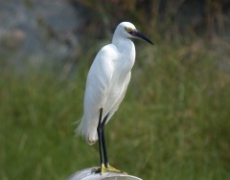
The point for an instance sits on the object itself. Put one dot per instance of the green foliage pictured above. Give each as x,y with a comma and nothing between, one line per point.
163,18
173,124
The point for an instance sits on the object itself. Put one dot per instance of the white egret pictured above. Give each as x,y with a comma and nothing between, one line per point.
106,85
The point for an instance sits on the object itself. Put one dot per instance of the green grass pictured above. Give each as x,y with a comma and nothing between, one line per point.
173,124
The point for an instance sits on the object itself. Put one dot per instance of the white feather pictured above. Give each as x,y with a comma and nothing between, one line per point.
107,81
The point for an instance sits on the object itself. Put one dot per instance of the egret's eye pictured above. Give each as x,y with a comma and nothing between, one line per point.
129,30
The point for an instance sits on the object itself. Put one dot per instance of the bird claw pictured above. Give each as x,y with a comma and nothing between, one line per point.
104,169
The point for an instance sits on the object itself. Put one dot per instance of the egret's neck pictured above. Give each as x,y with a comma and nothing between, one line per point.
124,45
127,52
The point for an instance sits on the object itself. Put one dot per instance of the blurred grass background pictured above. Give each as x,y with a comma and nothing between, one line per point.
173,124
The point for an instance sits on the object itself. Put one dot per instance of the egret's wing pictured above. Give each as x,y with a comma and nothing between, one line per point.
99,78
97,86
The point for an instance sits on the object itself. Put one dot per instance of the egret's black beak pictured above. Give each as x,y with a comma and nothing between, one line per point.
141,36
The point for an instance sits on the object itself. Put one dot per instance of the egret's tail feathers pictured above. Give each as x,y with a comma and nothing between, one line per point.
89,134
91,141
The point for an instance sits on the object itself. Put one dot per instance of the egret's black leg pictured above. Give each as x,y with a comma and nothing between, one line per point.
103,142
100,134
105,167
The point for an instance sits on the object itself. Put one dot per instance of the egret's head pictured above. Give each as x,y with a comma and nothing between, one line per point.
128,30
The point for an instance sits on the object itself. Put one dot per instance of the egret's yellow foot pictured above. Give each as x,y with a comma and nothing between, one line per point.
112,169
104,169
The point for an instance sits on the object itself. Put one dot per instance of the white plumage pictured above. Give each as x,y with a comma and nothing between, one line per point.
108,79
